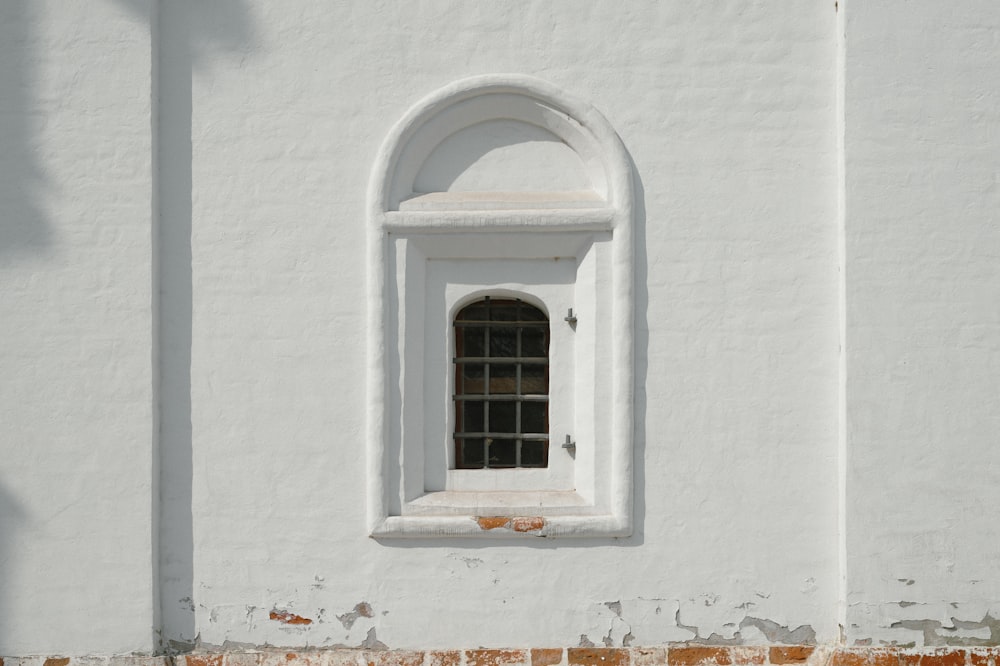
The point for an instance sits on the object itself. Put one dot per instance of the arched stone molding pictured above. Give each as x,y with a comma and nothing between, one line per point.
564,249
479,99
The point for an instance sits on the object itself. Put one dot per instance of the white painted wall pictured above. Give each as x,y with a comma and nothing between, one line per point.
269,119
728,113
76,379
923,339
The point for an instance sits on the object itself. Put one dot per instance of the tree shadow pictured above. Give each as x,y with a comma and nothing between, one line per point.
186,35
24,228
189,32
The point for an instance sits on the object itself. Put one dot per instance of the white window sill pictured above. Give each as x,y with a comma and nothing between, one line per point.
497,503
503,527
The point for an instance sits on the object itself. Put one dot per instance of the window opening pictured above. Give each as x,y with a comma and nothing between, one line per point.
501,385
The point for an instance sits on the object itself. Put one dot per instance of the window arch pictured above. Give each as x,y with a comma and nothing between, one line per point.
501,385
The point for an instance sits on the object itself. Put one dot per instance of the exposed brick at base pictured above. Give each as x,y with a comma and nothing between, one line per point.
696,655
670,655
541,656
789,654
597,657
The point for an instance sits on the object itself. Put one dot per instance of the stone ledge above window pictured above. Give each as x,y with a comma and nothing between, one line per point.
444,201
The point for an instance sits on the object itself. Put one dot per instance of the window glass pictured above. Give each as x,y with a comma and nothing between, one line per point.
501,385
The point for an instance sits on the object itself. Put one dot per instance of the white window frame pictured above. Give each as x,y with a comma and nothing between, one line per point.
430,254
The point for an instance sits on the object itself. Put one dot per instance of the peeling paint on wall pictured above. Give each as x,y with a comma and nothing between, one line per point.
372,642
623,623
958,633
775,633
522,524
908,624
289,618
362,609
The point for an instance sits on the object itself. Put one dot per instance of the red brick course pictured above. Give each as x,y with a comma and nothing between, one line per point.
444,658
597,657
495,657
789,654
540,656
685,654
696,655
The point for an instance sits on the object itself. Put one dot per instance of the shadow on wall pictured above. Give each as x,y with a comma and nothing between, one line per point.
24,228
219,26
222,25
186,34
12,517
471,159
641,353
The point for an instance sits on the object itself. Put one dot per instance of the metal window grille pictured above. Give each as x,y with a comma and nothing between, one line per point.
501,385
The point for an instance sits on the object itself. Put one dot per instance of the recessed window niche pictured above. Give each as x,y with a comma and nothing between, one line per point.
500,188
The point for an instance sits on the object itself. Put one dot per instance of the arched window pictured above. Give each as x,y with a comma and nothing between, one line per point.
483,408
501,385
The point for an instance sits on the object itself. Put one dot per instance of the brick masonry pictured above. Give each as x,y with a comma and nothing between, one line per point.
675,655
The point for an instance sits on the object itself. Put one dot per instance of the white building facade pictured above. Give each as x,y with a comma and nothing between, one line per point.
235,237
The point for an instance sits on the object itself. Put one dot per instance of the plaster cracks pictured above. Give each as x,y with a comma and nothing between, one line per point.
701,621
470,562
286,623
908,624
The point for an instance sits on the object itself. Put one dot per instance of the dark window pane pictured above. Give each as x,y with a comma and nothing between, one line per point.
531,313
474,339
503,453
533,452
533,417
497,338
472,412
472,454
503,377
503,311
502,417
503,342
533,380
533,342
474,312
472,379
